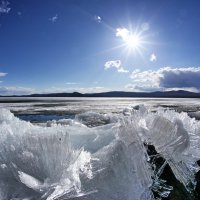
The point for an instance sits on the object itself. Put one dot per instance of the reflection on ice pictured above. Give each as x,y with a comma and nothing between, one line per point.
97,156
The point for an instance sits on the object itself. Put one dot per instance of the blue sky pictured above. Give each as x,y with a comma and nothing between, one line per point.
99,45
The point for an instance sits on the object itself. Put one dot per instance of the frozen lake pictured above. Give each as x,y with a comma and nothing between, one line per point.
58,108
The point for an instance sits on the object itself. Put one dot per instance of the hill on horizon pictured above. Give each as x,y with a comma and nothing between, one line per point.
156,94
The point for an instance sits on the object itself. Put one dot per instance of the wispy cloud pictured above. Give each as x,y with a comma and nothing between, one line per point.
97,18
167,78
122,70
3,74
71,83
115,64
145,26
141,88
153,57
19,13
54,18
95,89
92,89
4,7
15,90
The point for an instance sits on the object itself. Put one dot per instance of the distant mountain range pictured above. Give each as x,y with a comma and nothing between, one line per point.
158,94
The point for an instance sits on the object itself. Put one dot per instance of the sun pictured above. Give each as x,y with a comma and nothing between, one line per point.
133,41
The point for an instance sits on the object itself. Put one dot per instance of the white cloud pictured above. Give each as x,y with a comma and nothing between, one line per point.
180,77
148,77
153,57
115,64
4,7
167,78
54,18
15,90
123,33
97,18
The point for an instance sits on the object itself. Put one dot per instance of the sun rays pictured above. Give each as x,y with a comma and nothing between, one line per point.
131,40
